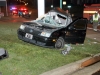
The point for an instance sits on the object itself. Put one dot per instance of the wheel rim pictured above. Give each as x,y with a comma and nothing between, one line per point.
59,44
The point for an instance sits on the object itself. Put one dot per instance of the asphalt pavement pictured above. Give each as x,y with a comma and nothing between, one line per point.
95,35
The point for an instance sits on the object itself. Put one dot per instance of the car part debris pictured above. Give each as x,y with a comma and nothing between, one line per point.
3,53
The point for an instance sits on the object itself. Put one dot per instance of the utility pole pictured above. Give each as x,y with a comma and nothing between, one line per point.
41,7
61,4
6,9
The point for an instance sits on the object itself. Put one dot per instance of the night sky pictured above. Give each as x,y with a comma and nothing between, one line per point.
77,6
55,2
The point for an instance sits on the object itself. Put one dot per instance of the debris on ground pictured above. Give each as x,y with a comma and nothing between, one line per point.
3,53
66,50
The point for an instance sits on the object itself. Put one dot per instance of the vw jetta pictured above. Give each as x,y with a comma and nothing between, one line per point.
54,29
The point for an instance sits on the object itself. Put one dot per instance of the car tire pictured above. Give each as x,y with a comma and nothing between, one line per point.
19,15
29,16
22,15
60,43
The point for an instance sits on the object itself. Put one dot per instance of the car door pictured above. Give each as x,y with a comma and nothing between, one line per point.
76,31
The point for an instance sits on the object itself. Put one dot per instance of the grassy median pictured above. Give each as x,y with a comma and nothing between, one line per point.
29,59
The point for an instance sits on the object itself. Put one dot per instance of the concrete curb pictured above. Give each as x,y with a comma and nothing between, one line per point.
67,69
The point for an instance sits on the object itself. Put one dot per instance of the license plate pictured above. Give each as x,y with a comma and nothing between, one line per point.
29,36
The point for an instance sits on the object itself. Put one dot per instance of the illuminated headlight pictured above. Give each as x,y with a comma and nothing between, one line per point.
22,27
45,34
24,13
30,12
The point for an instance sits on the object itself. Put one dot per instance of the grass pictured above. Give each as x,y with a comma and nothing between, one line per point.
29,59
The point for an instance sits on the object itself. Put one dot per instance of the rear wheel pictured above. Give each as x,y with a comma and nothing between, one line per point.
19,15
60,43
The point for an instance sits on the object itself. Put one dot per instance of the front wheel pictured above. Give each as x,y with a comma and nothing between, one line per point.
60,43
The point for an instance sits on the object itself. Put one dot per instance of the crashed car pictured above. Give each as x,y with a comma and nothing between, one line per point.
54,29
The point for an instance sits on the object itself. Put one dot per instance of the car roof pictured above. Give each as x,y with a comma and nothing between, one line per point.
59,10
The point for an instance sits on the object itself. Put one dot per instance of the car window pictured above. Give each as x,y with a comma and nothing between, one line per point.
80,24
62,19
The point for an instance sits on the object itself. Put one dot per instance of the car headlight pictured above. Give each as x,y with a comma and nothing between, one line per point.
24,13
46,34
30,12
22,27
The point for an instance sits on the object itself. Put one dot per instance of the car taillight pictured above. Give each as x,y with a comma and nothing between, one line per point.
14,11
25,9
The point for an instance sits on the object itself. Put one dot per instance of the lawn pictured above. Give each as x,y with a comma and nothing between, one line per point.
29,59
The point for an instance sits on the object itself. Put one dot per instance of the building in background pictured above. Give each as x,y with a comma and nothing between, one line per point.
90,10
3,7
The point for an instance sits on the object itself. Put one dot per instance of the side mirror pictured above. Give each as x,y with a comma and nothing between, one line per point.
3,53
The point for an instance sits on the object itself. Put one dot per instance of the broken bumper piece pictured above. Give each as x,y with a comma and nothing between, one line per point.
3,53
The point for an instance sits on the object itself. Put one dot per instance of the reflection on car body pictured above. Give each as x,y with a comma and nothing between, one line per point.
55,28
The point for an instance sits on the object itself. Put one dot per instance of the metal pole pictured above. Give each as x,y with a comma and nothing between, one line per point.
0,12
61,4
52,4
6,9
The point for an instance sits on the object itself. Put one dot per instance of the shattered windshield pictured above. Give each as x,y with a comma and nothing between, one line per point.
52,20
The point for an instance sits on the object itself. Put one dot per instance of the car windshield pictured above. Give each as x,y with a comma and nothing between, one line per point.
52,20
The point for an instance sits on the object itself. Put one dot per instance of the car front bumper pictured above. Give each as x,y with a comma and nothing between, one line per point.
37,40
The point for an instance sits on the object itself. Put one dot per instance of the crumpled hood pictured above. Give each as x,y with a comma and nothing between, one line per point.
39,27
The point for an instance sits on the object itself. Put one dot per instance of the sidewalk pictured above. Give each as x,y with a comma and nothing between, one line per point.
74,68
93,35
88,70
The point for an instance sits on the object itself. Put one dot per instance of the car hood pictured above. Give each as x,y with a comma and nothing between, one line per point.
40,27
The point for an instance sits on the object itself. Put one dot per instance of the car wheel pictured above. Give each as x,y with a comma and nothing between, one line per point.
12,13
22,15
60,43
29,16
19,15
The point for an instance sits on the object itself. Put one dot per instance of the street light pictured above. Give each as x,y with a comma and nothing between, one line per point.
64,5
64,2
52,4
69,6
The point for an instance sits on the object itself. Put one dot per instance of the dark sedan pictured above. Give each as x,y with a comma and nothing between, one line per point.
54,29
